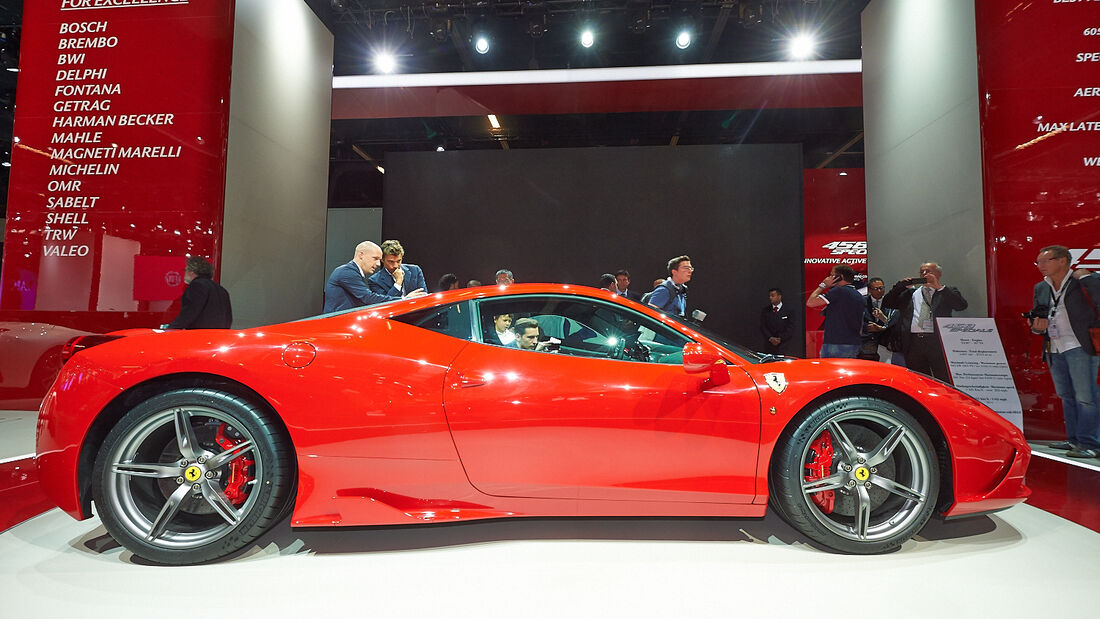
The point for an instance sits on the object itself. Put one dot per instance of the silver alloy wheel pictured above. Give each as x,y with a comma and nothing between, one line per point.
180,503
887,483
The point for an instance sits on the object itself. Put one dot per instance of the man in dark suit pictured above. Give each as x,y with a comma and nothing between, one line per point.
205,304
1066,304
920,341
777,324
622,286
878,326
396,278
347,286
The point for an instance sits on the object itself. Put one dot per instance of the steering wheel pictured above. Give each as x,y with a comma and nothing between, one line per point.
631,348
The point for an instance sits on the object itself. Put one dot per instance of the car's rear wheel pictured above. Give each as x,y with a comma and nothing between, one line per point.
192,475
858,475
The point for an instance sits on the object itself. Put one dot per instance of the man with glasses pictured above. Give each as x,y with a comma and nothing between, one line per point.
921,300
1065,305
671,295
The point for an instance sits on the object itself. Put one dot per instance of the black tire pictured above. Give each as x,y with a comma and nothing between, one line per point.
884,474
188,497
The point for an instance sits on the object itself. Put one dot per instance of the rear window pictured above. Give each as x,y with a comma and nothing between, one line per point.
453,320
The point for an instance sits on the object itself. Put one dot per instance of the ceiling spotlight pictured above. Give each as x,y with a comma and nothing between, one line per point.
537,18
481,44
587,38
380,169
802,47
638,19
683,40
385,62
751,15
440,29
439,148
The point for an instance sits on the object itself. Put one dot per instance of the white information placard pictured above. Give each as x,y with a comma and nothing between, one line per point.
978,365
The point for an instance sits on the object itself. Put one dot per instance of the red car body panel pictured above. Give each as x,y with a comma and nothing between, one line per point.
393,423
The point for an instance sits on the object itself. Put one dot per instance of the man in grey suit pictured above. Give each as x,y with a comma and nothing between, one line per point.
396,278
347,286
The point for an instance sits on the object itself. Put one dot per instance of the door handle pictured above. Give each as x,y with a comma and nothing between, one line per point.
463,381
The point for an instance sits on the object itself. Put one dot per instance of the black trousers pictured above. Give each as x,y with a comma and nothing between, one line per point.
925,355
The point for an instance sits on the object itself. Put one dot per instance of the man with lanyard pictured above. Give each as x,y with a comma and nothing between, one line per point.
1064,307
671,295
921,300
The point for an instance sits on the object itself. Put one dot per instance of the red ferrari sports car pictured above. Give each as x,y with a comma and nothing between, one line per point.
510,401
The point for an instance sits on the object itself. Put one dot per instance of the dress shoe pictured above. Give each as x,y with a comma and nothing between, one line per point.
1081,453
1062,445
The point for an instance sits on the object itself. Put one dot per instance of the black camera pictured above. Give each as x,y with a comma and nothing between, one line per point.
1035,315
916,281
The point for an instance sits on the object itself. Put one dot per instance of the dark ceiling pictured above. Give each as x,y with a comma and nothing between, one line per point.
431,37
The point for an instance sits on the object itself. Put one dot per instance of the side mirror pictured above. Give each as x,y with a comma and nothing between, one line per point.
699,359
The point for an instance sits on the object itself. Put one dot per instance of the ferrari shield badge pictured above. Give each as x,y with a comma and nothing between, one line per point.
777,381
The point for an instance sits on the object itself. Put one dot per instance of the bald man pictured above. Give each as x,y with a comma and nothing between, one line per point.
347,286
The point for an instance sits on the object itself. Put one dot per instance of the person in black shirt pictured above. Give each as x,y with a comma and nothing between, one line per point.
205,304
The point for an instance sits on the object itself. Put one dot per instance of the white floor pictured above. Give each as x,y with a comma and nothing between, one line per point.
1012,564
1015,563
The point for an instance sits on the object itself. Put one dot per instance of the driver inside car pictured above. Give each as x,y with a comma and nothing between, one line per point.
527,336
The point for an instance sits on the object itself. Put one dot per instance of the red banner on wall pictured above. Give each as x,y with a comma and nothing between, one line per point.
1040,127
834,204
121,121
119,147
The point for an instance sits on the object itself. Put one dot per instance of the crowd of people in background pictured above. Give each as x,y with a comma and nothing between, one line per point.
897,327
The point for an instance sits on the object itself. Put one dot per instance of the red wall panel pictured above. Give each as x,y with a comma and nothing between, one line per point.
834,221
120,144
1039,82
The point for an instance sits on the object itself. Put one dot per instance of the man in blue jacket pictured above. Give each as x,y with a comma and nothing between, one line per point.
347,286
396,278
670,296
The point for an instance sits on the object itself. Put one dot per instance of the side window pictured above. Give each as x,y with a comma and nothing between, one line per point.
578,327
453,320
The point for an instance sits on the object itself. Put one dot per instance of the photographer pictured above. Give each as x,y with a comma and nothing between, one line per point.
1064,307
920,342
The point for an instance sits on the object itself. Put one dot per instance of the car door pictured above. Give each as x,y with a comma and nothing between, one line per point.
593,422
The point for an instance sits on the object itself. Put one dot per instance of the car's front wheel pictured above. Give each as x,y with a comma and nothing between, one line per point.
858,475
192,475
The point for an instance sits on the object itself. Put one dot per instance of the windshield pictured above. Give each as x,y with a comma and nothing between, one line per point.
745,353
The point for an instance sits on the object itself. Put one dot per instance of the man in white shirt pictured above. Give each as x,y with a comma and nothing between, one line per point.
1065,305
922,300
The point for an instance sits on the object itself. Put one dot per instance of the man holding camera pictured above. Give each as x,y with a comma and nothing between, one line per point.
922,300
1065,305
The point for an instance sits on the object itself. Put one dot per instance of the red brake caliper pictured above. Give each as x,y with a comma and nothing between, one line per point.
238,468
819,469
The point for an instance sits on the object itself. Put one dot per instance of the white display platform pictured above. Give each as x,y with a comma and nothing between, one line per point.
1013,563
